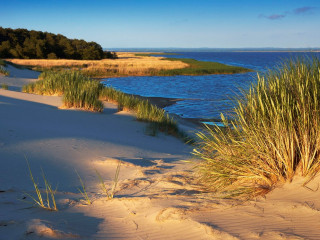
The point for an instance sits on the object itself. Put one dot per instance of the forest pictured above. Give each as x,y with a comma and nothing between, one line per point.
25,44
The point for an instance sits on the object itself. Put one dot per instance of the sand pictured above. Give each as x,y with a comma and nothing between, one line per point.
154,199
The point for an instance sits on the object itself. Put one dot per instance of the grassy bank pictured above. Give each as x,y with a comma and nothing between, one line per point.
274,137
202,68
80,91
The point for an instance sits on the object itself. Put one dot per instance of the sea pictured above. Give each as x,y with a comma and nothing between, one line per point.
206,96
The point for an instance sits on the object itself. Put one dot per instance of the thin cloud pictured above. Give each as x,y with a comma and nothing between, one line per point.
303,10
276,16
297,11
273,16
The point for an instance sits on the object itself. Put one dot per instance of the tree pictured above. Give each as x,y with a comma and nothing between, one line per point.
52,56
21,43
4,49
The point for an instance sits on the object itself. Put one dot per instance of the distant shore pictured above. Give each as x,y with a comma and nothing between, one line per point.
177,50
301,51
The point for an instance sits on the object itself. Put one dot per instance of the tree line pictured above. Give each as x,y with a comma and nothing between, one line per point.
22,43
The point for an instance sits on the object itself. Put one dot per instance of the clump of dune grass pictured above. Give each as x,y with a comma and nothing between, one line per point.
83,190
274,136
110,192
4,86
85,96
145,111
44,203
79,91
157,117
4,71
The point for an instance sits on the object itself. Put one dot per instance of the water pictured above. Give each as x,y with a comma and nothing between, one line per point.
205,96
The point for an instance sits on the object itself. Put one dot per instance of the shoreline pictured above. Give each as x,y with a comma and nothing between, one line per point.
157,189
160,102
163,102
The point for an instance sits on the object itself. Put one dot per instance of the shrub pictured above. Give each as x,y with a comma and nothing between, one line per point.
274,136
52,56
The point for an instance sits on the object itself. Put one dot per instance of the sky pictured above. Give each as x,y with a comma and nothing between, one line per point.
172,23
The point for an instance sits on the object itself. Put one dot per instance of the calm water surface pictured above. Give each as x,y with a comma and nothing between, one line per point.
205,96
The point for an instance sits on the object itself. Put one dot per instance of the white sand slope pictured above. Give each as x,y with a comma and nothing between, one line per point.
18,77
154,198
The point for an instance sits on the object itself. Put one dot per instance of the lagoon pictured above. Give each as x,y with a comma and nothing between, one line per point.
205,96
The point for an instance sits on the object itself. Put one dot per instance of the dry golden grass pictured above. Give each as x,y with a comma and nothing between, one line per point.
126,64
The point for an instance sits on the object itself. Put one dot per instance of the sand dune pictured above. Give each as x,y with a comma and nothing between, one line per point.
154,199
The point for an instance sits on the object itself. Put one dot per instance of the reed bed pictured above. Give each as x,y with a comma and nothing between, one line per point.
129,64
274,137
126,65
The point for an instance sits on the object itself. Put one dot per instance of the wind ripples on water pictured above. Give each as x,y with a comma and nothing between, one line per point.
204,96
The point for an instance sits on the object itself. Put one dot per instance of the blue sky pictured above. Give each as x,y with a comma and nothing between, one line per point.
172,23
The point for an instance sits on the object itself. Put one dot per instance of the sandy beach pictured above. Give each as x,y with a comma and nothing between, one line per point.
156,197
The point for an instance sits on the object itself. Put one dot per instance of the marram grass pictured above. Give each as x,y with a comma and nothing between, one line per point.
83,190
145,111
44,203
79,91
110,192
274,137
82,92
